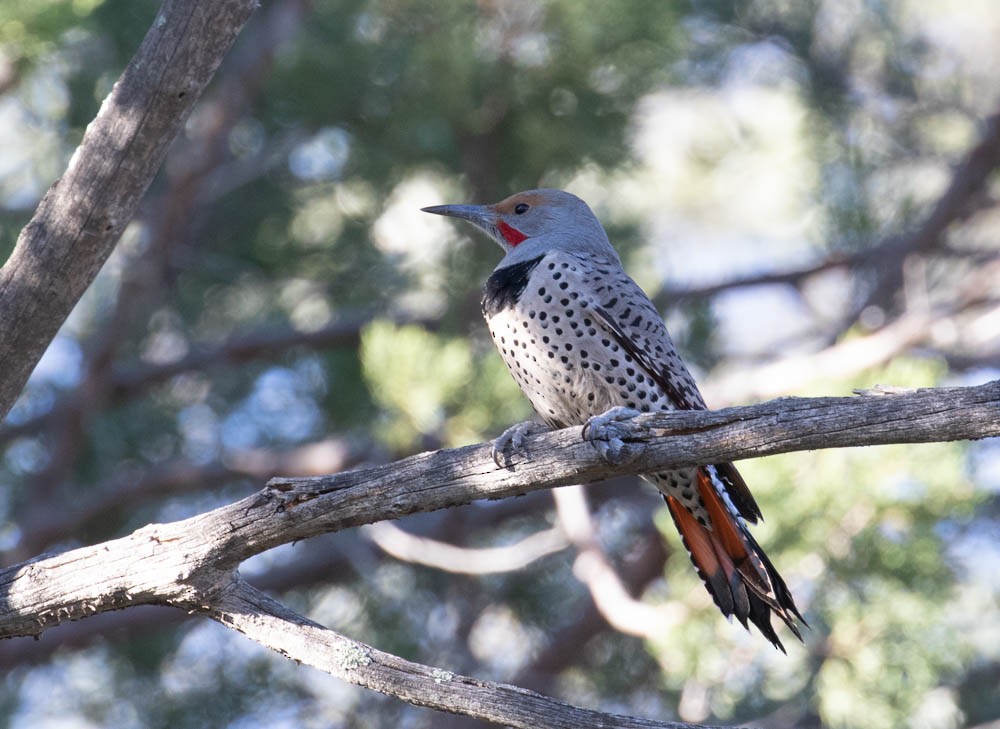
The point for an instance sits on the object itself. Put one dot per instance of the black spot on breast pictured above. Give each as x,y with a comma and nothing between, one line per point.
505,286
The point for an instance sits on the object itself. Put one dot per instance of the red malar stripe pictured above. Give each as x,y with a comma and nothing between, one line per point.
512,235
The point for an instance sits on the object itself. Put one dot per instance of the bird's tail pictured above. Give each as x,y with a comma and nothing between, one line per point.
734,568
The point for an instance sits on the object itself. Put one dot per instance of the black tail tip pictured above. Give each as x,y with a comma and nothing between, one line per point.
760,615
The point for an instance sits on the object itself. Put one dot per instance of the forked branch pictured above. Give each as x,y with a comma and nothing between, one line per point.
191,564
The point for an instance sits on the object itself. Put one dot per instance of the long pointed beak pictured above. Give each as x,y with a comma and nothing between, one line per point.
480,215
484,217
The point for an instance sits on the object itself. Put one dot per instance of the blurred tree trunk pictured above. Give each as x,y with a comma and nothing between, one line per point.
82,216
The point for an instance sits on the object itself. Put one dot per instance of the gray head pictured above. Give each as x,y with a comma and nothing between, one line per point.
530,223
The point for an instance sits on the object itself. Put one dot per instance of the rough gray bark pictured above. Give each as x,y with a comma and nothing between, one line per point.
267,621
191,564
83,214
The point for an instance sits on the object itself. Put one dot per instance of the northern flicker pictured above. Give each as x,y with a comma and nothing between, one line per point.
587,347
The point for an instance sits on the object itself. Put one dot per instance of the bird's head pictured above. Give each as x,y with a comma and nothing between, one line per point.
535,221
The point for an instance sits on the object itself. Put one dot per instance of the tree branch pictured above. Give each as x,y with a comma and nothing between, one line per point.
191,564
83,214
439,555
184,560
964,197
272,624
968,181
592,567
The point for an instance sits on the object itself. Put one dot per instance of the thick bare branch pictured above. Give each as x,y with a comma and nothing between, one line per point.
664,441
182,563
83,214
272,624
316,564
191,564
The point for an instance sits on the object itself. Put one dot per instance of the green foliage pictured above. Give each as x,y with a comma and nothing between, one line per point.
523,91
429,385
30,31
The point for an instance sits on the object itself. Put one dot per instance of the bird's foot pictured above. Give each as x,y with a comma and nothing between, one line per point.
607,434
514,442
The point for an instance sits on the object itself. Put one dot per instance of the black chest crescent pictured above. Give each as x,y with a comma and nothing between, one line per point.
505,286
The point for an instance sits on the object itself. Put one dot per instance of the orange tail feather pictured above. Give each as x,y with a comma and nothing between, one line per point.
735,570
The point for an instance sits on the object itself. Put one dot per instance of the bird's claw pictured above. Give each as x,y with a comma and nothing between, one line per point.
514,442
607,434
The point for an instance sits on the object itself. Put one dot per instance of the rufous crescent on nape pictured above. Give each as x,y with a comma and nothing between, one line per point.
587,347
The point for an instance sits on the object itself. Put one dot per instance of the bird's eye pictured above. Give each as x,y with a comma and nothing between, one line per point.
521,208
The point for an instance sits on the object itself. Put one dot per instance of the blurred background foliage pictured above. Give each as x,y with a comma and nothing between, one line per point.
768,171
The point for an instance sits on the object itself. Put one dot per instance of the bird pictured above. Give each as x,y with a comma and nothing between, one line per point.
587,347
